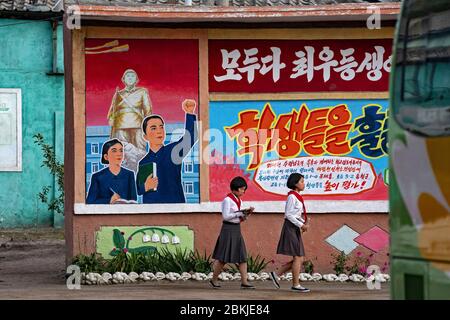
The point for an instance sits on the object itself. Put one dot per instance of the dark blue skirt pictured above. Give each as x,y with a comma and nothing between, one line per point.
230,245
290,243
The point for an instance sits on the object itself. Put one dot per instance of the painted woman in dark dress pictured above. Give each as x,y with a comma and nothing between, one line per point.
114,183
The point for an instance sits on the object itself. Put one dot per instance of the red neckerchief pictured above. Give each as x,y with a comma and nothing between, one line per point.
235,199
300,198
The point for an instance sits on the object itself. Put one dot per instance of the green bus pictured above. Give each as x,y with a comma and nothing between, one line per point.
419,144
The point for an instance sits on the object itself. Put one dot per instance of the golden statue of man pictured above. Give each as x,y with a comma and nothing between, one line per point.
128,109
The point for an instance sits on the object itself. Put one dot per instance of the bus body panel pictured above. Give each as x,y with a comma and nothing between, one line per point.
419,144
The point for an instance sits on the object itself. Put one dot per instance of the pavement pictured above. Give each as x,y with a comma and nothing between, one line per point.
32,267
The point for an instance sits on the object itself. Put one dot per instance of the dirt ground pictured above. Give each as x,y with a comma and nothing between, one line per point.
32,267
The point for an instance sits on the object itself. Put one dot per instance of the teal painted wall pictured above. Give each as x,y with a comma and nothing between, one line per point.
26,57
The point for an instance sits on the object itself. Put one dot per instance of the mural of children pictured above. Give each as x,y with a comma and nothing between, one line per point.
128,109
166,186
112,184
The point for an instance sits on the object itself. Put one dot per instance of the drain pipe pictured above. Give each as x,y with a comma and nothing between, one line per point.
54,71
55,44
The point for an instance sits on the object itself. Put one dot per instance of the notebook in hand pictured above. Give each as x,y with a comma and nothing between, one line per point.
246,212
144,171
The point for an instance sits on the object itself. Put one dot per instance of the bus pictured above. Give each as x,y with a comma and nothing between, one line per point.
419,144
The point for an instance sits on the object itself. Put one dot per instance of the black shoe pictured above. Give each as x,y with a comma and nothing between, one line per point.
274,278
247,286
300,289
215,286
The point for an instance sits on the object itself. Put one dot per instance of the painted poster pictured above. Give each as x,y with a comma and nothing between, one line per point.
299,65
11,129
141,121
340,146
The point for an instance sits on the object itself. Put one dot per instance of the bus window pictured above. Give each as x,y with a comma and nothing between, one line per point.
423,72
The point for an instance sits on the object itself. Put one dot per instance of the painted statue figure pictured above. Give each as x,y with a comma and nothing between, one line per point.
128,109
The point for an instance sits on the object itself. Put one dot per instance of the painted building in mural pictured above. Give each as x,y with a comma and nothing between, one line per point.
193,108
31,102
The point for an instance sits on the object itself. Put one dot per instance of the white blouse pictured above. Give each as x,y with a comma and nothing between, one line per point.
229,208
293,211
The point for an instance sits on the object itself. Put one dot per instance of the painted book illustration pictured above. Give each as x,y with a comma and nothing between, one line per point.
125,201
121,200
145,171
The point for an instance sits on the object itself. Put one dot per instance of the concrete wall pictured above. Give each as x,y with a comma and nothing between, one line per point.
329,233
261,233
26,58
